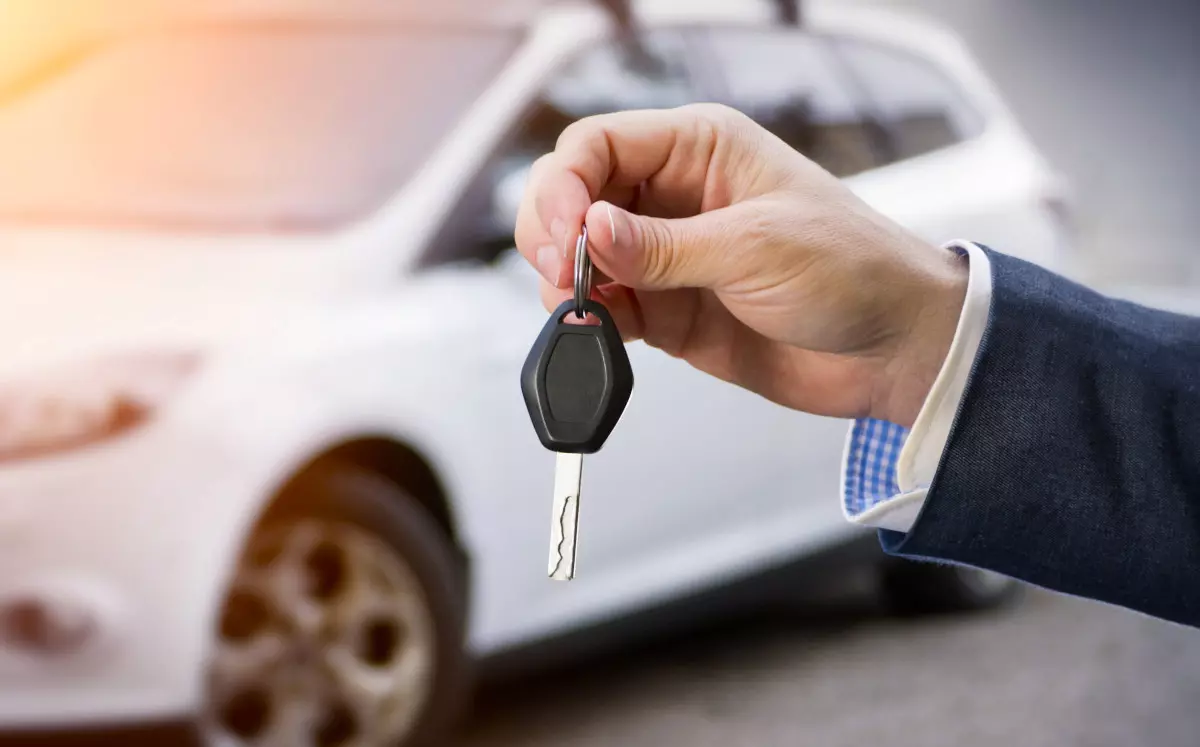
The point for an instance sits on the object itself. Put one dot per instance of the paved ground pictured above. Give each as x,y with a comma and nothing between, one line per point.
1111,90
1055,672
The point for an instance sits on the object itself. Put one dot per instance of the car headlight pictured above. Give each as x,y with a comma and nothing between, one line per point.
87,402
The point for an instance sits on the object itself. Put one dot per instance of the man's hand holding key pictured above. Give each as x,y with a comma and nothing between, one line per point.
720,245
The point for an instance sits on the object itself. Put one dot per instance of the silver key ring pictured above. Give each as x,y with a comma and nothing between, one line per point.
583,273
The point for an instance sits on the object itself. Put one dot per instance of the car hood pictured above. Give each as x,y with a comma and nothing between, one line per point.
64,297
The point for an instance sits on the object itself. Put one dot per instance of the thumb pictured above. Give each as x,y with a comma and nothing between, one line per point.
648,253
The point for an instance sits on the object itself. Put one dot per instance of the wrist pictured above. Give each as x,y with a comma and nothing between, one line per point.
927,322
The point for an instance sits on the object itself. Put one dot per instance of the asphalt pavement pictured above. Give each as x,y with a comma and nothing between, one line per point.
1111,91
1053,672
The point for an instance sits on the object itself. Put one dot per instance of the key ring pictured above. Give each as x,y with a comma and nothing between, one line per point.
583,273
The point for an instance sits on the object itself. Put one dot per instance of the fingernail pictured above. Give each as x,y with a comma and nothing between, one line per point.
618,224
549,263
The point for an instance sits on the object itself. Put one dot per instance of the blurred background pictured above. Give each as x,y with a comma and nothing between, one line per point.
1104,87
1108,92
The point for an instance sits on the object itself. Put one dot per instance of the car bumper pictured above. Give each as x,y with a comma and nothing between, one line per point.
127,544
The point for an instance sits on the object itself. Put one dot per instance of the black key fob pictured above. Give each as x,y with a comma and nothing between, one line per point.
576,380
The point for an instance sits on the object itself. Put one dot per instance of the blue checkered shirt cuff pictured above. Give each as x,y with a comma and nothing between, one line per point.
881,456
872,454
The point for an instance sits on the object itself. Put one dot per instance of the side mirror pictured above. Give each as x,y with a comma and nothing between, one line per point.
507,192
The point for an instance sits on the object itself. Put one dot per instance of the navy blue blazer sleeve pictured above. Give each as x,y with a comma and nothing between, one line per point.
1074,459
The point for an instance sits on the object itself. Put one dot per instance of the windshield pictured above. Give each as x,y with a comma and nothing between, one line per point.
276,128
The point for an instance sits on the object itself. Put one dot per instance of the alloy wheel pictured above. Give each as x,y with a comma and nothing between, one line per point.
326,639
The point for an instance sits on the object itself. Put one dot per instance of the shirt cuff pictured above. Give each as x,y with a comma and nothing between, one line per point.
887,468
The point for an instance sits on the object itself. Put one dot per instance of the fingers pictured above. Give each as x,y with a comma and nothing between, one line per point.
545,244
625,149
668,151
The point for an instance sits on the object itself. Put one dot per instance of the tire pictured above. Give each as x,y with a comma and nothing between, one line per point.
911,588
357,584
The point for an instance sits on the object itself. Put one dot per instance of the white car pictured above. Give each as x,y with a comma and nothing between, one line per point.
264,462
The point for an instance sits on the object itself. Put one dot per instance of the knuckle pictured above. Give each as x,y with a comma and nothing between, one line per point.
658,251
719,115
578,131
718,127
537,173
540,164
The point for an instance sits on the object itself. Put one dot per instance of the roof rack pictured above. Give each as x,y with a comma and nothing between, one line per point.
789,12
621,12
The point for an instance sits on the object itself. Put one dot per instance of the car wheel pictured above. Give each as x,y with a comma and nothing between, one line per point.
926,588
343,624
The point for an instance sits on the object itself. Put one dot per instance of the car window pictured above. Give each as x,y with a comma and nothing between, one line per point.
259,128
921,107
791,84
614,76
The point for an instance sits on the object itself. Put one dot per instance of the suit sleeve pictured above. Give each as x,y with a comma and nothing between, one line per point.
1074,458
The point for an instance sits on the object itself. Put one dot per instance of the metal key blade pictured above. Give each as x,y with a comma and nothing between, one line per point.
568,476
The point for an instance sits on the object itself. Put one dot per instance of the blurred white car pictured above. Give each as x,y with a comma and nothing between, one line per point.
264,462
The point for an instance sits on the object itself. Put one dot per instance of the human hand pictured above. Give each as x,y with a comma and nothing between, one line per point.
721,245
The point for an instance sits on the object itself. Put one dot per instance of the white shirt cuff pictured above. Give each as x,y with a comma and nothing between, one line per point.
887,469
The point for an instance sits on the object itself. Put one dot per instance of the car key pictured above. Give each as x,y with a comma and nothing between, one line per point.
576,382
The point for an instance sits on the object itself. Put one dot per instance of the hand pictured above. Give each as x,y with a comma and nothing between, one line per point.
722,246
